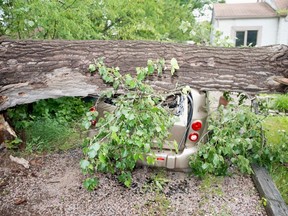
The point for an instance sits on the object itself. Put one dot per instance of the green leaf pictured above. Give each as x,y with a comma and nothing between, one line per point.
136,156
114,128
130,82
158,185
87,124
103,72
150,69
90,183
174,66
205,166
160,66
116,84
124,153
141,75
84,164
126,179
102,158
216,160
158,129
93,149
150,160
131,117
109,93
115,137
92,68
186,90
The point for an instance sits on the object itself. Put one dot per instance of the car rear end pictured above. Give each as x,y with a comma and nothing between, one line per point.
188,130
191,112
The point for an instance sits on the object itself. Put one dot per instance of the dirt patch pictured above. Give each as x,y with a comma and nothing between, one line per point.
53,186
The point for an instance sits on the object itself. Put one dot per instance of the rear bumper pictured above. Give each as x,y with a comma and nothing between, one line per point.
170,160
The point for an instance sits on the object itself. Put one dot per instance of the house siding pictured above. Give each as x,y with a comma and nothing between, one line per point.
283,31
267,29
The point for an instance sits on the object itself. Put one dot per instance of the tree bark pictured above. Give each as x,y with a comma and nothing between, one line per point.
33,70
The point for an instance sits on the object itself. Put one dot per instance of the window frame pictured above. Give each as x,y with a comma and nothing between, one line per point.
245,29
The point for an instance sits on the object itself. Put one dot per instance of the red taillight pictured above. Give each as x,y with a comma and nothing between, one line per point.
196,125
160,159
193,137
93,122
92,109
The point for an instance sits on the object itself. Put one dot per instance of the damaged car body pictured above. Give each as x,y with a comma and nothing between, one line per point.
191,112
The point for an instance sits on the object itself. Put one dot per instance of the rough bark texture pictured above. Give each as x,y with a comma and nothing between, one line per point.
33,70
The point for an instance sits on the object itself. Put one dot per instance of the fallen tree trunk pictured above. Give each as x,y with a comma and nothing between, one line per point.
33,70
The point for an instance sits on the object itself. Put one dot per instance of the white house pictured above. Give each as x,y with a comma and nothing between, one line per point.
264,22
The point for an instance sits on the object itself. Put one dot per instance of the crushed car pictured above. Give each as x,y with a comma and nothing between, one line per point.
191,112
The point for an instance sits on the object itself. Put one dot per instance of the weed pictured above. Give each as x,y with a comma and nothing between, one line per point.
212,185
156,182
159,205
13,144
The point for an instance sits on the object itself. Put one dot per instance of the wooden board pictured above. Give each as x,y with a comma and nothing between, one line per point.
267,189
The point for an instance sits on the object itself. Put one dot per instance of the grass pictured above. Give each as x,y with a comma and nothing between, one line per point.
48,135
50,125
276,128
281,103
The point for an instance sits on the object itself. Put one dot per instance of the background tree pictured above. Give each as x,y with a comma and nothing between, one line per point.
110,19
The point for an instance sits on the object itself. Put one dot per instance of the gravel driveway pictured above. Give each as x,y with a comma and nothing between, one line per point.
53,186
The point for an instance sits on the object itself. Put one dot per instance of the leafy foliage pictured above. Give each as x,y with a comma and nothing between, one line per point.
64,110
128,134
220,40
110,19
236,138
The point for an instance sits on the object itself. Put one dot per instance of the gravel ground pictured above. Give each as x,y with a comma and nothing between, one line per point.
53,186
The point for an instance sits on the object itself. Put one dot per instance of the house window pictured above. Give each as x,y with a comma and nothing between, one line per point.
246,38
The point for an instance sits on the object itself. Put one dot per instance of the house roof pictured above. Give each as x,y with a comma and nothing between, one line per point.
246,10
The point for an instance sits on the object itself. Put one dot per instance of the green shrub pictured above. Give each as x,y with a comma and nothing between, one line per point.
64,110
